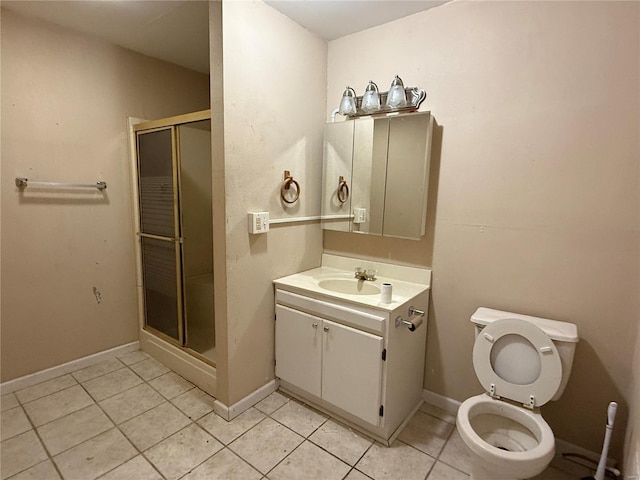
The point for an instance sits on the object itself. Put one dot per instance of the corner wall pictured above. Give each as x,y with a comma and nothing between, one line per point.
536,204
274,100
65,100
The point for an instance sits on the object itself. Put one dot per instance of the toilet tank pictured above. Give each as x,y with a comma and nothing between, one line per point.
563,334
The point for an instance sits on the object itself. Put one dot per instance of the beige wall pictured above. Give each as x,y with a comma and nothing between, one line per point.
632,444
274,101
65,100
534,191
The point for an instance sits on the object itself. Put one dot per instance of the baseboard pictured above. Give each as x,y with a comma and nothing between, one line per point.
229,413
53,372
447,404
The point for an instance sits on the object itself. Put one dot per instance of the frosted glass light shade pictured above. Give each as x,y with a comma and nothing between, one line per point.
396,97
348,102
371,98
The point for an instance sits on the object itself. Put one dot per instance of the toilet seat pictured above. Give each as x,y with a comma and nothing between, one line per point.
533,394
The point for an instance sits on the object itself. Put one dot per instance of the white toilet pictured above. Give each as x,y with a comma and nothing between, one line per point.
522,362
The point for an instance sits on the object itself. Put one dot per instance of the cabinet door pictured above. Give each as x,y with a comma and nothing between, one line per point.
299,349
352,370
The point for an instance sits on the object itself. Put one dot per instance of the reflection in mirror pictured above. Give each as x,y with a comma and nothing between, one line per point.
338,151
389,159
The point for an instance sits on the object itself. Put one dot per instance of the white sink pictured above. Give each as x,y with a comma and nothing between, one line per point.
334,279
350,286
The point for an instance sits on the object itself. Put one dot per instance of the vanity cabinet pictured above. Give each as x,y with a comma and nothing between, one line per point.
351,361
339,364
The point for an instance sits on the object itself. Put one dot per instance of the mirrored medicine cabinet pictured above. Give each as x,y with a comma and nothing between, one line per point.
376,175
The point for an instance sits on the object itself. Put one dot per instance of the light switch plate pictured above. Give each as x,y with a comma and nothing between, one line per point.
258,222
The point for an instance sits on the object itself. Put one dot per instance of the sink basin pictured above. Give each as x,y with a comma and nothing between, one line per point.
350,286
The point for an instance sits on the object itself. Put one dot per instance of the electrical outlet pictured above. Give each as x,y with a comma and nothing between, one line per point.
258,222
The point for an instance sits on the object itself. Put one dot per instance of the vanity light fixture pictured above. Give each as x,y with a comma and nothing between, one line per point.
396,97
348,102
371,98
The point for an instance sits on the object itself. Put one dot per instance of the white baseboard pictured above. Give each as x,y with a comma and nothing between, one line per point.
229,413
72,366
447,404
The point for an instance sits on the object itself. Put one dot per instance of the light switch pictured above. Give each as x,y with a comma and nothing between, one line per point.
258,222
359,215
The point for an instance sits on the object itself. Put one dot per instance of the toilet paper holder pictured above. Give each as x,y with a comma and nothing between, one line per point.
412,325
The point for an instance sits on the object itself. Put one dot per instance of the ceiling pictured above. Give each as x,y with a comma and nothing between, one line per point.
177,31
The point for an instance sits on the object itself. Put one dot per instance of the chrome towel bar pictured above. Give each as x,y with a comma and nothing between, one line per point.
24,182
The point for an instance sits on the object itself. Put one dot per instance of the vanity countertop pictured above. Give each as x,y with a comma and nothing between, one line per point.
339,283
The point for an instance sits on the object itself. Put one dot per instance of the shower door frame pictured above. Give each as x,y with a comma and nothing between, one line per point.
148,127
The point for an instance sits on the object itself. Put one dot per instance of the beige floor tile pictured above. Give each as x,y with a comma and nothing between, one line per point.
132,402
97,370
442,471
73,429
13,422
45,388
94,457
154,426
138,468
299,418
226,431
133,357
438,413
311,463
455,453
56,405
426,433
266,444
41,471
194,403
271,403
149,368
344,442
183,451
394,462
356,475
8,401
19,453
111,384
224,465
170,385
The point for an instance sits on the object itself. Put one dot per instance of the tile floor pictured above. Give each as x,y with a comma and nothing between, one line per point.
131,418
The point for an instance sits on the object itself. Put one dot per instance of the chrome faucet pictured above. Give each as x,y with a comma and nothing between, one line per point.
362,274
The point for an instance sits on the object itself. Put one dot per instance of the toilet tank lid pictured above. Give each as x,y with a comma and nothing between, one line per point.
555,330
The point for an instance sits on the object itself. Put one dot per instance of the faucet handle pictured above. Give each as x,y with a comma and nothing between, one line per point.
371,274
358,270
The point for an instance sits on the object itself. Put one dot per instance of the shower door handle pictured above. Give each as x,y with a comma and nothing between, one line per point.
159,237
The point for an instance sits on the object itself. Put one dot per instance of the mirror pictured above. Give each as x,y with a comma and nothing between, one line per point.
386,162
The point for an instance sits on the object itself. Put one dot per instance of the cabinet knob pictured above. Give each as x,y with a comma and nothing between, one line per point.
315,325
326,329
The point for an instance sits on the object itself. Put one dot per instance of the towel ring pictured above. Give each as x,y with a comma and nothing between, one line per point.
286,186
343,190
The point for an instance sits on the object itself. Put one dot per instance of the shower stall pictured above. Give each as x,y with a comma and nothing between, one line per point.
174,225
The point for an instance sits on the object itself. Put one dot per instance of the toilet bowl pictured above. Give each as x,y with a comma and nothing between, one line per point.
505,441
522,362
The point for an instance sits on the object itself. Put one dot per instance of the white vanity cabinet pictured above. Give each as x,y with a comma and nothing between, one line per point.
340,364
350,360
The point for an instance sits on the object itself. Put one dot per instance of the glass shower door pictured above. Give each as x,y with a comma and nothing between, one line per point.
160,232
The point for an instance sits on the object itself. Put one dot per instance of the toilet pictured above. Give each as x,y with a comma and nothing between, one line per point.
522,362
